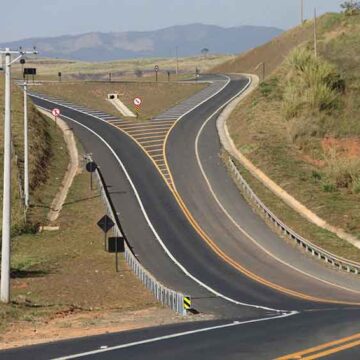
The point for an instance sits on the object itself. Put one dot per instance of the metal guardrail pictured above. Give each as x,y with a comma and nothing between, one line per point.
168,297
308,246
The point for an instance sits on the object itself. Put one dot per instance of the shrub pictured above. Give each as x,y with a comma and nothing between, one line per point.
350,7
311,83
344,172
327,187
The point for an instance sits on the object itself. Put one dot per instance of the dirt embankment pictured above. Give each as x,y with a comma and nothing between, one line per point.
272,53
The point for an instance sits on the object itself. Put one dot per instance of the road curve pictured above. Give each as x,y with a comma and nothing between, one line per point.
253,299
193,155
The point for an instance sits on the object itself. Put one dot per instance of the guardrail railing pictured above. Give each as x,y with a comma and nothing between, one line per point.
166,296
308,246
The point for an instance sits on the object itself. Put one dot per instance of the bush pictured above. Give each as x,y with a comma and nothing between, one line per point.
311,83
138,73
345,172
351,7
329,187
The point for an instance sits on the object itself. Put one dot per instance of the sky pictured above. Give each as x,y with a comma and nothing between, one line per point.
42,18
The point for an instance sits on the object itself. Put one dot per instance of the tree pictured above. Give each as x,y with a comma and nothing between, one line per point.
205,52
138,73
351,7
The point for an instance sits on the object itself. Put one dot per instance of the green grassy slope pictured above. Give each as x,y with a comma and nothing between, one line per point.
302,128
47,147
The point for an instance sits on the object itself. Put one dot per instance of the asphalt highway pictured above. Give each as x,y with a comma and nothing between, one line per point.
216,284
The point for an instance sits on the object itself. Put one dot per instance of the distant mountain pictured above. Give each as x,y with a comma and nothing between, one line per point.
189,39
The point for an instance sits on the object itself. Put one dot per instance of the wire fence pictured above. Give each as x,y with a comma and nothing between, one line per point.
168,297
323,255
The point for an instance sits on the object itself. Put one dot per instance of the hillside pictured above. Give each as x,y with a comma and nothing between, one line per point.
301,126
271,53
189,39
46,145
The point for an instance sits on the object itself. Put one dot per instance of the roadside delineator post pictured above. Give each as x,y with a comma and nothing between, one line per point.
187,302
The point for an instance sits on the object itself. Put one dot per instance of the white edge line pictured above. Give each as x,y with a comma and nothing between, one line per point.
234,221
176,335
185,271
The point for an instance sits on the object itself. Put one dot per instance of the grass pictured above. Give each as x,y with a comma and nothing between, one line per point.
306,229
68,269
48,69
46,148
301,128
157,97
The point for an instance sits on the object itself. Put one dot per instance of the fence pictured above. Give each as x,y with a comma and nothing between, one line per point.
168,297
321,254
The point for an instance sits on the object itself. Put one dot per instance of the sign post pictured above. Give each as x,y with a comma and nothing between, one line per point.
91,168
30,71
156,68
56,113
137,103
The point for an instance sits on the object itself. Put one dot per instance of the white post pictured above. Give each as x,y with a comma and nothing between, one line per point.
5,246
26,149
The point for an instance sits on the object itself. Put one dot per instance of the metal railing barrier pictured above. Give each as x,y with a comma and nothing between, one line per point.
316,251
166,296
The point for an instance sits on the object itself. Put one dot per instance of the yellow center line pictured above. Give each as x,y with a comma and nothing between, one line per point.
171,184
333,351
211,243
299,354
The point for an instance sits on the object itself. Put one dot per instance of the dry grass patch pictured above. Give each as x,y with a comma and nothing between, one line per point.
68,271
301,128
156,97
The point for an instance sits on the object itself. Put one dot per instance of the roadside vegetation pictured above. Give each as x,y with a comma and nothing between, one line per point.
63,283
301,127
156,97
48,161
66,273
133,69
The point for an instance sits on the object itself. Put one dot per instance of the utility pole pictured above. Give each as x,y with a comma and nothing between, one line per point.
315,33
6,224
26,149
177,63
302,12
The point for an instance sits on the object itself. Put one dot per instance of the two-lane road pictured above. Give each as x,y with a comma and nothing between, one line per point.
168,230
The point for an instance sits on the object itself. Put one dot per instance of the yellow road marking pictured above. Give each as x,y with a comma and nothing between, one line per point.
144,133
150,141
138,128
151,137
171,184
333,351
227,258
152,146
316,349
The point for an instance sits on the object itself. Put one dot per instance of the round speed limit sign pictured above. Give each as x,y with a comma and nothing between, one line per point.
137,102
56,112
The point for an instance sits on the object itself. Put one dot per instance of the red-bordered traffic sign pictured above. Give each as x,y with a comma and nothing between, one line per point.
56,112
156,68
137,102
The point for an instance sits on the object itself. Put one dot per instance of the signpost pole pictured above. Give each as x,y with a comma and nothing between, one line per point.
116,254
105,232
6,220
26,149
5,251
